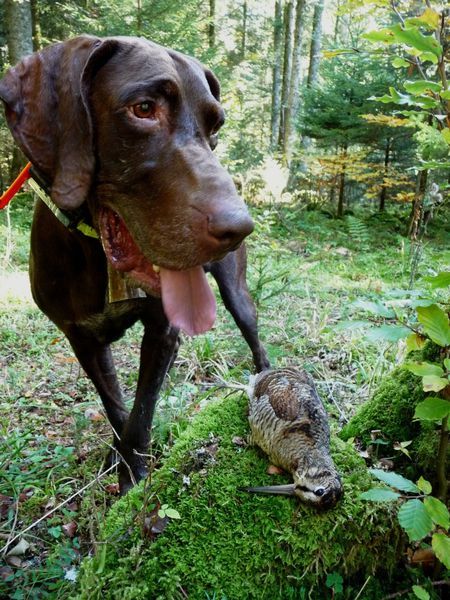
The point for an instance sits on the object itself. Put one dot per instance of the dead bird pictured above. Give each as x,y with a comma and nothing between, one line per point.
288,421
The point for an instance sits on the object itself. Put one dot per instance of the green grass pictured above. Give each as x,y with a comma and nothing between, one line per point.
304,271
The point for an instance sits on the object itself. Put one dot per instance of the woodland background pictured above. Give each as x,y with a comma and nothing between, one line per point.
297,82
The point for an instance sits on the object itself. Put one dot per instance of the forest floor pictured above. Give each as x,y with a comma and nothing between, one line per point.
305,270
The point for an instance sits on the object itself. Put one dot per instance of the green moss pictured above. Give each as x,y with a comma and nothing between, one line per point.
233,544
391,409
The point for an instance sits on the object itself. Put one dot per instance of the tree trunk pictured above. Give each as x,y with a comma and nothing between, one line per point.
341,198
244,30
383,192
19,31
294,84
288,19
212,24
341,27
417,205
139,16
19,37
316,39
276,74
36,26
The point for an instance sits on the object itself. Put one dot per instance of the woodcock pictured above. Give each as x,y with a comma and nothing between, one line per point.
289,422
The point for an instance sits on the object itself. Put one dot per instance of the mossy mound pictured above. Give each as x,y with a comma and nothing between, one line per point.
391,410
230,544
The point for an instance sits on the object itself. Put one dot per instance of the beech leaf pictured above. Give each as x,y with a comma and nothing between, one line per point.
435,324
441,546
414,519
437,511
432,408
394,480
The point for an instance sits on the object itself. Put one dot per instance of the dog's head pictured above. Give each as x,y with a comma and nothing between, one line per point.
129,127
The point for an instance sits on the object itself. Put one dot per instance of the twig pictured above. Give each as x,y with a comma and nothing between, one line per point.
363,587
50,512
16,515
440,583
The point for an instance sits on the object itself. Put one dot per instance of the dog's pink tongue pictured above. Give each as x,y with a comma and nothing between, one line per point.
188,300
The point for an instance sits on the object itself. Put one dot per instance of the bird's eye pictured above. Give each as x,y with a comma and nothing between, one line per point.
144,110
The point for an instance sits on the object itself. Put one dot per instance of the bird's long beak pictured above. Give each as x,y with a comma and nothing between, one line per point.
275,490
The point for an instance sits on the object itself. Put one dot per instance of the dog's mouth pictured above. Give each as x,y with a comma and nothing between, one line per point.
188,300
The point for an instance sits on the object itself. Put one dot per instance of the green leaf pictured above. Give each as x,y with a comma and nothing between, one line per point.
335,582
422,302
416,39
421,86
388,333
447,363
446,134
441,280
437,511
431,383
420,592
172,513
429,19
379,495
424,486
352,325
100,559
445,95
414,341
394,480
424,368
429,56
441,546
432,409
375,308
435,324
433,164
55,531
415,520
397,63
381,35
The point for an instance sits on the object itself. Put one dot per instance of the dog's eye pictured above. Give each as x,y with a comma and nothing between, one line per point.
144,110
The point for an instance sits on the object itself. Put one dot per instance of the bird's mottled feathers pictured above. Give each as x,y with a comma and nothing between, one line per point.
289,422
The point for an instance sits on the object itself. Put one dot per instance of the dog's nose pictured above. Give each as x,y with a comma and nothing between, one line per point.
230,227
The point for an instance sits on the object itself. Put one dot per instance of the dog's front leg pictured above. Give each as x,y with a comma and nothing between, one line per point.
159,344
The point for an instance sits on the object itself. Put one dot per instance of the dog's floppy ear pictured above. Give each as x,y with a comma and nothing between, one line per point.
46,102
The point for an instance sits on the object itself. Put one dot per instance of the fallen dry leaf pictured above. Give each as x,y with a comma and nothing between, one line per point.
93,415
6,572
5,503
273,470
112,488
70,529
239,441
14,561
423,556
20,548
154,525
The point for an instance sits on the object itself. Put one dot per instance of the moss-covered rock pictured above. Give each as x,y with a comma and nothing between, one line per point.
229,544
391,410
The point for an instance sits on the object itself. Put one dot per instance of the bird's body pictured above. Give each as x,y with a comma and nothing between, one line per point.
288,421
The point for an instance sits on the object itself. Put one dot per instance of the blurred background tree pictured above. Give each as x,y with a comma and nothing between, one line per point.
297,82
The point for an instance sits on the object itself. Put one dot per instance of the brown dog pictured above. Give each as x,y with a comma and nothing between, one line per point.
121,131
